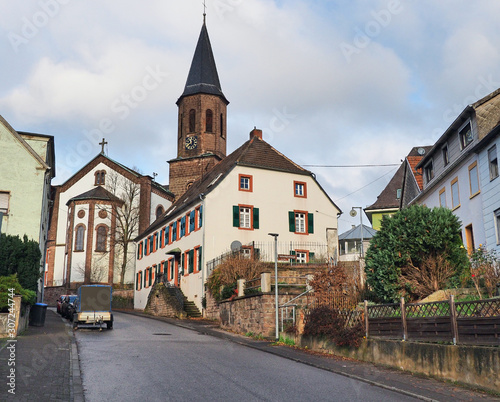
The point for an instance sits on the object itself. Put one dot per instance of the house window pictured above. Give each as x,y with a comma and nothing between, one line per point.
473,179
100,177
493,162
209,118
199,258
102,233
246,183
446,158
455,199
199,218
442,198
246,252
429,172
192,120
465,136
497,224
300,189
245,217
301,257
80,237
4,201
301,222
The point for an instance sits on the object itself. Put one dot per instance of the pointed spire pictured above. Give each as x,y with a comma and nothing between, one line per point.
203,77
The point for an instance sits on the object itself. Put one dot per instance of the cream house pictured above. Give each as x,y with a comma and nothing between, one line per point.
27,166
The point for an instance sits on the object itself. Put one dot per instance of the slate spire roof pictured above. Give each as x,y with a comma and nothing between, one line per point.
203,77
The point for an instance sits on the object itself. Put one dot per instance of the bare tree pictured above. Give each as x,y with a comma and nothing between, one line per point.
98,270
126,216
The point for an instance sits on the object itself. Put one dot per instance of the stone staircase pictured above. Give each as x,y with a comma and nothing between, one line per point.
190,308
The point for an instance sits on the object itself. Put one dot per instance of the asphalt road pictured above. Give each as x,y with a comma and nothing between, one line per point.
149,360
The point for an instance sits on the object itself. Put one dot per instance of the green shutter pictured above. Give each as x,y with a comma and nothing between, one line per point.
291,221
236,216
256,218
199,259
311,256
182,264
191,261
310,223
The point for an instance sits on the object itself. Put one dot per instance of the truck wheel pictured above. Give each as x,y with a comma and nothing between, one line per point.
75,323
109,325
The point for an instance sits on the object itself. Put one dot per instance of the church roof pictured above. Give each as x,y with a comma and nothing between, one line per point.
254,153
97,193
203,77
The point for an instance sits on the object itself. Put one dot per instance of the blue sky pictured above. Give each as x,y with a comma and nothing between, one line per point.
329,82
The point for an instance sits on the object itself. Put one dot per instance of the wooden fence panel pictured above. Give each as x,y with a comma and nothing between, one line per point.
429,329
479,330
388,328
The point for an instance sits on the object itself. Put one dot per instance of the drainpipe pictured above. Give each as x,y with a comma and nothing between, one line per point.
203,248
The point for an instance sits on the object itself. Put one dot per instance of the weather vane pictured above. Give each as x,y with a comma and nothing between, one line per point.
204,11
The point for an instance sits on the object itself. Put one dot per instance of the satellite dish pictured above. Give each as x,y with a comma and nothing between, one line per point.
421,151
235,246
353,213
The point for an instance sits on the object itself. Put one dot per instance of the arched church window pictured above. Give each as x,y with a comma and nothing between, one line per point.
159,211
80,237
102,233
192,120
209,121
222,125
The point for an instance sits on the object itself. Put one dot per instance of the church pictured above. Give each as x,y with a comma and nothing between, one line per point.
226,200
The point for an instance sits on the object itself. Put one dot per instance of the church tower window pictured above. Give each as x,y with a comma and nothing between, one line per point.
209,121
192,120
222,125
100,177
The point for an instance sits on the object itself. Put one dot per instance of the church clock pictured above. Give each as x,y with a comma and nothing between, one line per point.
191,142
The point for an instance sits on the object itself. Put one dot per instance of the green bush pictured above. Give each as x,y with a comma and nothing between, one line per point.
408,238
11,282
21,257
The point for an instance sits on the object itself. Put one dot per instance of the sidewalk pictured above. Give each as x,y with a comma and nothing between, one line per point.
46,363
427,389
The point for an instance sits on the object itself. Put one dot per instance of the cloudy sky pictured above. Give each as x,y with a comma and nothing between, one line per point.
330,82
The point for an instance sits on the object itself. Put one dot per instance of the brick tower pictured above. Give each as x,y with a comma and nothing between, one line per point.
201,137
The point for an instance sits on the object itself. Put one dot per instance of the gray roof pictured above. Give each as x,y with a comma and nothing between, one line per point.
203,77
97,193
355,233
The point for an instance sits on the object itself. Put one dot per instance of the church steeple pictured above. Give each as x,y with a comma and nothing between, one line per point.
203,76
201,140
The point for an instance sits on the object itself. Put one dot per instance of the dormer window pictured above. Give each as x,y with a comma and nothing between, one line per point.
465,135
429,172
446,158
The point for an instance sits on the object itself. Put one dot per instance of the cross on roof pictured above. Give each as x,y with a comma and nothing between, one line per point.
104,142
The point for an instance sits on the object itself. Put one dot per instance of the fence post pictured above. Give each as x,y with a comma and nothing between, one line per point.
265,282
403,319
241,287
366,318
453,317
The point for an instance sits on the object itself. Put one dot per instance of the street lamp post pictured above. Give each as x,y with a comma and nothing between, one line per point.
275,235
361,227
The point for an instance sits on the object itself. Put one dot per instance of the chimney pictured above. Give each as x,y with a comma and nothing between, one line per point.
256,133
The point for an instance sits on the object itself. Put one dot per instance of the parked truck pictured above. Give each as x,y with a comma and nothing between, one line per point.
93,306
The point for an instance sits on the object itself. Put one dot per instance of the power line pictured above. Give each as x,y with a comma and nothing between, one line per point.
353,166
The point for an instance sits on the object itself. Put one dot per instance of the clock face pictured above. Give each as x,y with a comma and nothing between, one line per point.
191,142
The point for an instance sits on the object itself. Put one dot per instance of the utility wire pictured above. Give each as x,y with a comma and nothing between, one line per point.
352,166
